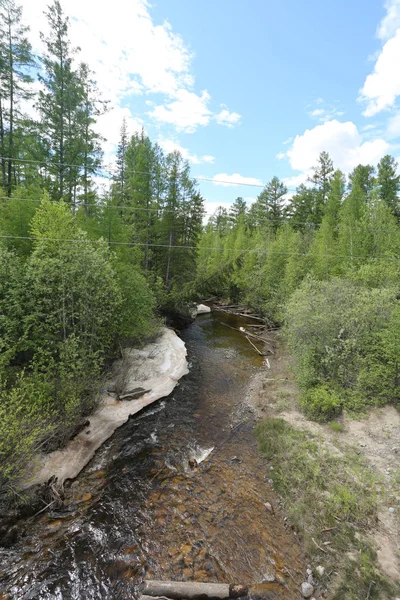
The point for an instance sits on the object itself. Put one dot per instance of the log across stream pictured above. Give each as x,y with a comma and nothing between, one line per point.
177,493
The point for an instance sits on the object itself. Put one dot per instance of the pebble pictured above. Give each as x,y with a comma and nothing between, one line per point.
320,570
307,589
391,509
268,506
362,445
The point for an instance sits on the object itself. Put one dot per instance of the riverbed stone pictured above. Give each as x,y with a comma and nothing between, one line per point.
307,589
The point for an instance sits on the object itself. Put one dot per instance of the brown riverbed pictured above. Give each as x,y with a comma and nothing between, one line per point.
139,510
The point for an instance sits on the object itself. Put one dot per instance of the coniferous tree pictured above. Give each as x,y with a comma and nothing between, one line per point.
58,105
322,179
269,206
364,176
16,58
120,177
389,183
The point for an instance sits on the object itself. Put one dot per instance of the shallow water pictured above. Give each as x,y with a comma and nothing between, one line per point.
143,509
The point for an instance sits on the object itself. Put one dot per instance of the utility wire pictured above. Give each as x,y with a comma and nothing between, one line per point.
165,210
208,179
254,250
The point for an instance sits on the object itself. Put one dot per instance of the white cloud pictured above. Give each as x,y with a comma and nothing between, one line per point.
343,142
127,54
187,112
234,180
391,21
170,146
225,117
382,86
296,180
324,111
131,55
393,128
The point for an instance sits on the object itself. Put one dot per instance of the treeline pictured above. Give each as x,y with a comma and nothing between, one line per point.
326,264
81,272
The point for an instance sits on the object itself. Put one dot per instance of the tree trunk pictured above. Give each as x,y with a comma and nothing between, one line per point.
192,590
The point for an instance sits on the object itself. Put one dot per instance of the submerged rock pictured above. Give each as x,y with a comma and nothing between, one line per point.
156,369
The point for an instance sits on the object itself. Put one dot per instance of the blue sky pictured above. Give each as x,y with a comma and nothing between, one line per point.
246,89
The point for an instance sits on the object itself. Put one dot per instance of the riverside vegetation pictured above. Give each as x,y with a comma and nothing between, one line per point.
83,271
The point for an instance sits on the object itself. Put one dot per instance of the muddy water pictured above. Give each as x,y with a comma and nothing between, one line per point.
140,511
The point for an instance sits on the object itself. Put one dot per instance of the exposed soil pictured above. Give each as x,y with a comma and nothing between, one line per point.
375,436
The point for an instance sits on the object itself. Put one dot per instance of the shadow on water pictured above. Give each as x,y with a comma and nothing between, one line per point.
142,508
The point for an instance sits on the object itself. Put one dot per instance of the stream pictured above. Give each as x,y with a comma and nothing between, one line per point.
143,509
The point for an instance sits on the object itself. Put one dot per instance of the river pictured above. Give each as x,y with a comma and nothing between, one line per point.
140,510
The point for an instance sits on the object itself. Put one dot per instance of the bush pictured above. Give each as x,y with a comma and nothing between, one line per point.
321,403
344,337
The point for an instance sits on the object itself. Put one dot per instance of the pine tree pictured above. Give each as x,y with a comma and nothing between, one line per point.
15,60
238,208
58,105
364,176
322,180
120,178
389,183
269,206
300,209
90,153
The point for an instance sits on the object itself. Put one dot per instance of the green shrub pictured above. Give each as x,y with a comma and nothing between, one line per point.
321,403
345,337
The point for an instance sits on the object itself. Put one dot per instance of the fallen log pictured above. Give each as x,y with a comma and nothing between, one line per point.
191,590
254,346
252,335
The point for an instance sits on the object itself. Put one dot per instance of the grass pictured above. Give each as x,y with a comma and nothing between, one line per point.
337,427
327,499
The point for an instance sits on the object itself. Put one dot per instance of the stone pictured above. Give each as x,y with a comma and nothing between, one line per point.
269,576
307,589
320,570
268,506
391,509
202,309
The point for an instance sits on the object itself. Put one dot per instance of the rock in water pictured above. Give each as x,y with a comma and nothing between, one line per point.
202,309
307,589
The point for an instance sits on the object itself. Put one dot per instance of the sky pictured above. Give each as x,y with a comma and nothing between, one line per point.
245,89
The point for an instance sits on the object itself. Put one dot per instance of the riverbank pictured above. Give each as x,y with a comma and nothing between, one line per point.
139,379
142,508
339,486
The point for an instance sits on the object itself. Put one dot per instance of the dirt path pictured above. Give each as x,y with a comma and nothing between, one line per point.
376,437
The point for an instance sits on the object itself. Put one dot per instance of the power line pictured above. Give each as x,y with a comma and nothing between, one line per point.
222,249
80,166
164,210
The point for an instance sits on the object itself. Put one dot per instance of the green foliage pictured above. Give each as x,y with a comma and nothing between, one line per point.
10,306
321,403
343,337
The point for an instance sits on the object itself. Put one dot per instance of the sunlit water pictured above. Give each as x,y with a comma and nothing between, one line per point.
177,493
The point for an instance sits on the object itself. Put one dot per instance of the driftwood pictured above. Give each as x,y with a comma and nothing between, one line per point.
134,394
239,314
191,590
252,335
254,346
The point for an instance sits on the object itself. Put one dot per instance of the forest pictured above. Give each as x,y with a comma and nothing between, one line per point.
84,271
